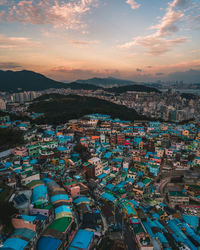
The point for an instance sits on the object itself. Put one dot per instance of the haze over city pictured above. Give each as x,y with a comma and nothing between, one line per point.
142,40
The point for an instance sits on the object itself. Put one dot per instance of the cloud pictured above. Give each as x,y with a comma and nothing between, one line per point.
139,70
173,15
189,76
71,74
9,65
196,20
82,43
154,44
134,5
180,3
59,13
3,2
2,14
180,66
195,51
158,43
16,42
168,25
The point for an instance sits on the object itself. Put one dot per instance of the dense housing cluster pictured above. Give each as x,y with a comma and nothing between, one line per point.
98,182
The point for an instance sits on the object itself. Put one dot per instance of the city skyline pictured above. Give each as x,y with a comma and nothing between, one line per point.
68,40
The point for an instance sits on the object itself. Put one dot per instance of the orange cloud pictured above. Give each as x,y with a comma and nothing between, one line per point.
70,73
134,5
16,42
59,13
157,43
83,43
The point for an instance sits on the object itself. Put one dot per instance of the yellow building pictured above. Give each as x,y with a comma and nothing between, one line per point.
185,132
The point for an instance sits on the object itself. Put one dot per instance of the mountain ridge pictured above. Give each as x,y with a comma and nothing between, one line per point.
106,82
25,80
58,109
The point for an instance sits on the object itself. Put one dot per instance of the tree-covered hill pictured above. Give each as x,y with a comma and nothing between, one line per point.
10,138
106,82
59,108
13,81
137,88
83,86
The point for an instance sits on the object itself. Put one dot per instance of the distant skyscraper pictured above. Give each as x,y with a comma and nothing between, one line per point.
2,104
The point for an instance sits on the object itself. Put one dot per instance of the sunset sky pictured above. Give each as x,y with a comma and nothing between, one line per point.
141,40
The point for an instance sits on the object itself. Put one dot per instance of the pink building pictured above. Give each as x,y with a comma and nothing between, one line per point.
21,151
46,210
156,159
25,221
115,169
75,191
169,152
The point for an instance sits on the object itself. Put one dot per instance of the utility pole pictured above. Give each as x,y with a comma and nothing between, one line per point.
114,215
122,235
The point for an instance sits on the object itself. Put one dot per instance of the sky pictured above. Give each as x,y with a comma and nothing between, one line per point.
140,40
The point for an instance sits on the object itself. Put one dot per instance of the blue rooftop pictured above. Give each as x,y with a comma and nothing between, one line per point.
62,209
109,186
47,180
14,243
34,161
101,176
24,232
81,199
107,155
62,148
193,221
82,239
49,132
48,243
28,217
108,197
39,193
8,164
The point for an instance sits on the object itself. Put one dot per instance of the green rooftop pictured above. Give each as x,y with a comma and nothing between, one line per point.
30,173
61,224
70,183
177,193
138,229
33,183
146,180
42,206
27,167
194,187
132,170
16,166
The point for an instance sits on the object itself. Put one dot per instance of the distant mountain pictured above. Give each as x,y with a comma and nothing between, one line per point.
84,86
138,88
59,109
25,80
189,76
116,85
15,81
106,82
